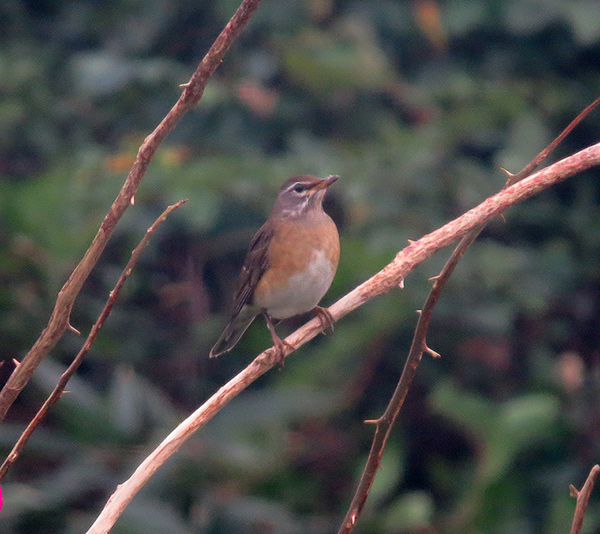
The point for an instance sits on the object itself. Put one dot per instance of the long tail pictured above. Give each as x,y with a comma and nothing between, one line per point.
232,334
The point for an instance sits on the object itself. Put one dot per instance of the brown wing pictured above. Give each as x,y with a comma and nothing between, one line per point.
255,265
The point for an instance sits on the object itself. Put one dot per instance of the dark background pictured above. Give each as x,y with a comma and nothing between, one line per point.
417,117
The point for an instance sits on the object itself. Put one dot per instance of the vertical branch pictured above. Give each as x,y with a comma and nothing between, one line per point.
583,497
59,320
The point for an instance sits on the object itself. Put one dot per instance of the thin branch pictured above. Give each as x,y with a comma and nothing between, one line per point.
70,371
384,425
59,320
419,343
583,497
541,157
382,282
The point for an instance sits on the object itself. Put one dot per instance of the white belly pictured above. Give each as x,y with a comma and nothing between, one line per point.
303,292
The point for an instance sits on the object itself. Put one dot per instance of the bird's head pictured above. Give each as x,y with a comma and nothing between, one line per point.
301,194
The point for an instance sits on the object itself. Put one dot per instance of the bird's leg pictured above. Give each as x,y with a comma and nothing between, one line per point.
325,317
281,346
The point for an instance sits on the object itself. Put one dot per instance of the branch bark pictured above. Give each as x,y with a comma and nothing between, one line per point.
70,371
419,342
389,277
583,497
59,320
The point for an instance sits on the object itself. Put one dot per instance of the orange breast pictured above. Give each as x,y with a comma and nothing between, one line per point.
302,261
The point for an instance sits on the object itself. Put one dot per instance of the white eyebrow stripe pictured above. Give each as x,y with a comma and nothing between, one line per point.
291,187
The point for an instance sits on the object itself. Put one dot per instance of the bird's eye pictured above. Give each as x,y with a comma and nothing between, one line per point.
298,188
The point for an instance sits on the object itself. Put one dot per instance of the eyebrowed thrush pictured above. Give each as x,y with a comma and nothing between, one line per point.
290,264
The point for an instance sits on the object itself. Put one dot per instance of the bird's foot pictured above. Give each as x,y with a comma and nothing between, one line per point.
325,317
281,347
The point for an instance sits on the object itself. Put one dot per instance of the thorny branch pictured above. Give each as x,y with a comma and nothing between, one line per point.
59,320
419,343
70,371
382,282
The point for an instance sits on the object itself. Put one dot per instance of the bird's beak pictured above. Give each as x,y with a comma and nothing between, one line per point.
325,183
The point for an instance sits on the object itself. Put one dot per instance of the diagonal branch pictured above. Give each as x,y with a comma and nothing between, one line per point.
384,425
62,383
382,282
59,320
541,157
419,344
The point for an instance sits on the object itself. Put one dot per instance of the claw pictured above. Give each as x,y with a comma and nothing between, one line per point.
281,347
325,317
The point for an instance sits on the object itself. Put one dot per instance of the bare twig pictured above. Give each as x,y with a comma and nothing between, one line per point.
70,371
419,343
59,319
541,157
583,497
382,282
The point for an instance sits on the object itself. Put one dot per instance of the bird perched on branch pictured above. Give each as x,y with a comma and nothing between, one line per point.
290,264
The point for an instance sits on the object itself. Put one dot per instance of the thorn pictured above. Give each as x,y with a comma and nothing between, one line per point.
401,284
574,491
411,242
419,312
73,329
434,278
509,174
503,218
132,201
184,85
432,352
16,362
371,421
65,392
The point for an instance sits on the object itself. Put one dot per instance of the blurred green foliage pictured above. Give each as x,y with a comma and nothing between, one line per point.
416,105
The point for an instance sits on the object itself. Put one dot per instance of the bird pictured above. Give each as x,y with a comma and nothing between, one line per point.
290,264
